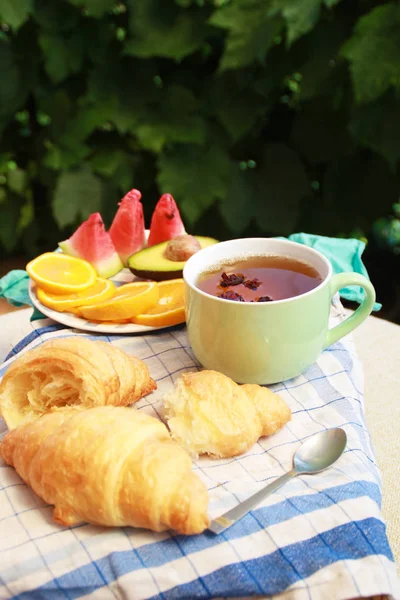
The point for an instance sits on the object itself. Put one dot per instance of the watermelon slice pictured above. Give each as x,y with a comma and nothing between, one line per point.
127,229
93,243
166,222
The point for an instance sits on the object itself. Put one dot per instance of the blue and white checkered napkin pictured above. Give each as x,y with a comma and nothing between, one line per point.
319,537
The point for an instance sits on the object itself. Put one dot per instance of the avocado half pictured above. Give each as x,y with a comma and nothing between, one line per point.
150,263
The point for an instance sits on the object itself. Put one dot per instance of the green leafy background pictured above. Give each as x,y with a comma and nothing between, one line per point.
259,116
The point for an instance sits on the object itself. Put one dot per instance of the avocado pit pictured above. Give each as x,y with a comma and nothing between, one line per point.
181,248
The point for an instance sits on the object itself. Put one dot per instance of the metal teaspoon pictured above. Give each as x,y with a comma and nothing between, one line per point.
316,454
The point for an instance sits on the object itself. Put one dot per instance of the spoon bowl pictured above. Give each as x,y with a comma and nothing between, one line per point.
320,451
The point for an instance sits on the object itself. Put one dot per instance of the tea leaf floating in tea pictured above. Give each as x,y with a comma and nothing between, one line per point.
233,279
229,295
252,284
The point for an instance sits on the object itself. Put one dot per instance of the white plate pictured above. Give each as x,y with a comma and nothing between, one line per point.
66,318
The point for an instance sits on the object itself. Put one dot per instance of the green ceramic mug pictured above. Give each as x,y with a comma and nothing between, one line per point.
272,341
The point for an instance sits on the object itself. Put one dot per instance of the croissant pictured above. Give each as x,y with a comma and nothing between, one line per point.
208,413
71,371
111,466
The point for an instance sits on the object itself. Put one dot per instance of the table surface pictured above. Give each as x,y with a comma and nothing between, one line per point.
378,345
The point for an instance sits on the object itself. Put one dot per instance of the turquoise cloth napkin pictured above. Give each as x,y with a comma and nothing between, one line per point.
344,255
14,288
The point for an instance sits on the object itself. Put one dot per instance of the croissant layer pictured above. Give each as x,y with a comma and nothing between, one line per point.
71,371
110,466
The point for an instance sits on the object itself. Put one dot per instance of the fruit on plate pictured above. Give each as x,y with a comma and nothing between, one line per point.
93,243
101,290
128,301
151,262
127,229
166,222
60,273
170,307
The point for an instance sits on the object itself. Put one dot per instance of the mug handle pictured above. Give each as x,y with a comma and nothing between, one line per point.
338,282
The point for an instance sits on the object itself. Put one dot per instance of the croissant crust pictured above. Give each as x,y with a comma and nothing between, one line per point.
208,413
110,466
71,371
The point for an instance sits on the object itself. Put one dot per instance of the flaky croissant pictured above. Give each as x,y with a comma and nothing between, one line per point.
71,371
208,413
111,466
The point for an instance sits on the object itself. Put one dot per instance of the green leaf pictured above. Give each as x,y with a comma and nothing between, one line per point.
15,12
78,193
112,83
154,134
374,52
62,56
56,57
234,104
377,126
195,176
300,15
17,180
162,29
173,120
95,8
106,161
85,121
281,185
10,75
5,158
68,148
58,159
235,205
26,216
124,117
251,32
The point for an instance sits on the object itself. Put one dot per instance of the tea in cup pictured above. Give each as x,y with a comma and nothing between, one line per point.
258,308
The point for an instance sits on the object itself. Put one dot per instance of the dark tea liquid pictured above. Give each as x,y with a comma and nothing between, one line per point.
260,279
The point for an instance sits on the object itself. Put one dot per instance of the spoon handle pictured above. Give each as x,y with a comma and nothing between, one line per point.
234,514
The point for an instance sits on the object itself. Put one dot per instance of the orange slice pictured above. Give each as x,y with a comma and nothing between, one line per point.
60,273
170,308
115,322
101,290
129,300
